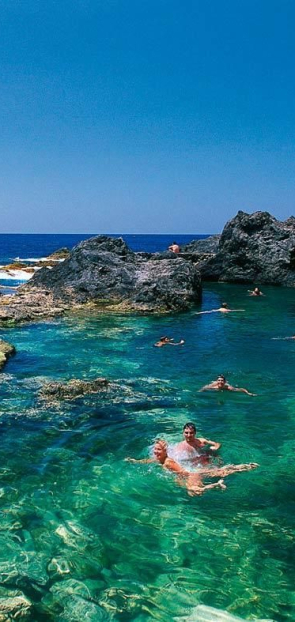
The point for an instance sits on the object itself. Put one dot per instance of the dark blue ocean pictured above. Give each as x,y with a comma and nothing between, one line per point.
40,245
86,535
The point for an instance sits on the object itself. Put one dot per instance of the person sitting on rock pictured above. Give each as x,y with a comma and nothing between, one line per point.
167,341
174,248
223,309
221,385
197,450
193,481
255,292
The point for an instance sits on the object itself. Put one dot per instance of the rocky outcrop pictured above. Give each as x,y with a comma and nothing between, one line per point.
254,248
55,391
6,350
61,253
207,245
104,273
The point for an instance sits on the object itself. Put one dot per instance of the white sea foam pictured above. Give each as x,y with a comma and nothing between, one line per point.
37,259
15,275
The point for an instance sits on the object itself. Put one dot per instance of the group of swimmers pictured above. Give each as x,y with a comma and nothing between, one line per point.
196,453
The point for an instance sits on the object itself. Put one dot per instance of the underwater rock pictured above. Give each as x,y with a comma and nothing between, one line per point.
15,606
72,389
6,350
201,613
254,248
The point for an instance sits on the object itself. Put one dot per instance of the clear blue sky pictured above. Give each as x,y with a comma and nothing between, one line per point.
145,116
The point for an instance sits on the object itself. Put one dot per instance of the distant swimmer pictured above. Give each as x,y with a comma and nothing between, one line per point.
174,248
193,481
255,292
167,341
222,385
223,309
198,450
284,338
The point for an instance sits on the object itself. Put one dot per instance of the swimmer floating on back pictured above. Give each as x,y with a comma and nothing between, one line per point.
284,338
223,309
221,385
167,341
193,481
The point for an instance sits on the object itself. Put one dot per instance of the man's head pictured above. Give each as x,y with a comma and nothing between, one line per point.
224,305
221,381
189,431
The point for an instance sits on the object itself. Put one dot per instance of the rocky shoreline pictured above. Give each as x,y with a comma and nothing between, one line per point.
104,275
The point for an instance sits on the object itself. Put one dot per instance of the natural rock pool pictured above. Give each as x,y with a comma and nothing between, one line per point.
85,535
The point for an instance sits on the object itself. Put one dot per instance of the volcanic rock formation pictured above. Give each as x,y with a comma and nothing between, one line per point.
254,248
104,273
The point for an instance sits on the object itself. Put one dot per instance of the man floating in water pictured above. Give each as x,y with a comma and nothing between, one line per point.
167,341
223,309
222,385
198,450
193,481
255,292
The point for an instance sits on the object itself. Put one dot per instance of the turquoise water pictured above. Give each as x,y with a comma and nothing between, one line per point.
85,534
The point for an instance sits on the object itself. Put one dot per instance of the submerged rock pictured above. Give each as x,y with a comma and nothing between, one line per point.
6,350
72,389
254,248
15,606
201,613
104,273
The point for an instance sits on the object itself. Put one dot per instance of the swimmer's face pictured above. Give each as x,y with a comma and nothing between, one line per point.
220,383
189,434
160,451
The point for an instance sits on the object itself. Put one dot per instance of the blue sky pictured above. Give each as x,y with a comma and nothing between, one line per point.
145,116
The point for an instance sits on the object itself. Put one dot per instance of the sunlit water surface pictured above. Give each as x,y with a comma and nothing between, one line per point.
86,535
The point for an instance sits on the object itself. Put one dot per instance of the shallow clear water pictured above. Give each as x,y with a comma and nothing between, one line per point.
85,534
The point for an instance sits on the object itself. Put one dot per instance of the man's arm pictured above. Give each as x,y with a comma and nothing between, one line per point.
240,390
212,444
179,343
206,387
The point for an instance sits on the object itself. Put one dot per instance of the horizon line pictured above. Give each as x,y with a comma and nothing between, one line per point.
104,233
